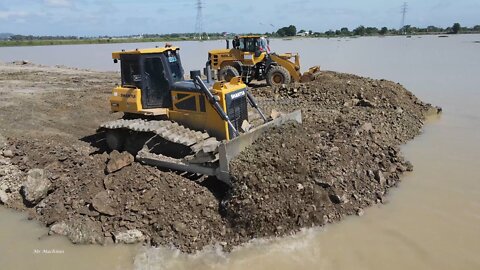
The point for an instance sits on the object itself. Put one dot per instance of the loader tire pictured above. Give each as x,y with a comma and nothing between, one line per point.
278,75
227,73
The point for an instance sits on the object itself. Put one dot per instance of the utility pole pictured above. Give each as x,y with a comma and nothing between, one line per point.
199,22
404,12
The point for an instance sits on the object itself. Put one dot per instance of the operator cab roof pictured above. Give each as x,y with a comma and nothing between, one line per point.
116,55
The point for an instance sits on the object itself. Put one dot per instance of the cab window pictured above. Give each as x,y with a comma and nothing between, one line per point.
175,66
131,75
249,44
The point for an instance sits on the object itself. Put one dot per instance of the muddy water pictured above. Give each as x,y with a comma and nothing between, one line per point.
431,222
25,244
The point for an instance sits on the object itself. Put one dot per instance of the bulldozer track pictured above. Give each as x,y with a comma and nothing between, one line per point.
170,131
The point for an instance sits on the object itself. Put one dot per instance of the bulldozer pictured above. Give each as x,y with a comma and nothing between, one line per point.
250,58
194,125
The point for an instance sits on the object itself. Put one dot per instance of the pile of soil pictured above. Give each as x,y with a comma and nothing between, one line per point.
343,157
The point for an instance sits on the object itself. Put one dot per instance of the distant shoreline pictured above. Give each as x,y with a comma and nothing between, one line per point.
39,42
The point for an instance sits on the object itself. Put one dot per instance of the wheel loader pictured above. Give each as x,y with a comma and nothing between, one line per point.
251,59
197,125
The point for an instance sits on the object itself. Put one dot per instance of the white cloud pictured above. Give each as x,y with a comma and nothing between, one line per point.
8,15
58,3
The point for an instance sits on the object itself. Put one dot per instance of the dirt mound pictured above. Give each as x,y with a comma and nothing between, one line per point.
166,207
343,157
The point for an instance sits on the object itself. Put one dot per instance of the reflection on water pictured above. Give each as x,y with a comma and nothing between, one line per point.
431,222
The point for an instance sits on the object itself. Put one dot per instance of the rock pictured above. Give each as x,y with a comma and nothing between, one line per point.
129,237
8,153
36,187
108,182
366,103
359,212
246,126
325,183
338,198
409,166
299,187
60,228
401,167
78,231
3,142
118,160
380,178
84,231
179,227
367,127
3,196
103,203
275,114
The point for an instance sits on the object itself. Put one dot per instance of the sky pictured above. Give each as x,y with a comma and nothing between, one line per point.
128,17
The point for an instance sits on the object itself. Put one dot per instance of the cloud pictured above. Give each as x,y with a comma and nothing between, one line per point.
58,3
8,15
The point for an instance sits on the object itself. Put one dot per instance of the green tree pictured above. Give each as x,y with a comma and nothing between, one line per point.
287,31
371,30
456,28
359,31
383,31
407,29
330,33
344,31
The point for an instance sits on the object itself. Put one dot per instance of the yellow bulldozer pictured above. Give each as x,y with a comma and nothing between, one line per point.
197,125
250,58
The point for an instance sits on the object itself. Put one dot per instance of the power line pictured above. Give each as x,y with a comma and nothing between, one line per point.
404,13
199,22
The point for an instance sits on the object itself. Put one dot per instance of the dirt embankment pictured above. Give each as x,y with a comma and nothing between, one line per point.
344,157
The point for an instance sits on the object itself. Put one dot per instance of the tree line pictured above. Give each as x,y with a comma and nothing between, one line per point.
13,37
361,30
286,31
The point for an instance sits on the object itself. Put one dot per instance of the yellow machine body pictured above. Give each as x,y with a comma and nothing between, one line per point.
188,106
251,62
204,117
194,126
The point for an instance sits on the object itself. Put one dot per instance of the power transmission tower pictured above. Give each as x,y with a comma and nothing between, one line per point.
404,13
199,22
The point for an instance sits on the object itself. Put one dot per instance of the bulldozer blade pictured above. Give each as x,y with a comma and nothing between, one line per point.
227,151
311,74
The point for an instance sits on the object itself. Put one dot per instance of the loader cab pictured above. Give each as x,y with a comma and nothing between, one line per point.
251,45
153,71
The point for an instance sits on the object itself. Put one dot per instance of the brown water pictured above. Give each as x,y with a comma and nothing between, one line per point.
431,222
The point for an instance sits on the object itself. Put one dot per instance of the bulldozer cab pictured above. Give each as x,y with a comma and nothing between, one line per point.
154,72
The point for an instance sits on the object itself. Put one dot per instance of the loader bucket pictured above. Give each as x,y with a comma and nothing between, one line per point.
311,74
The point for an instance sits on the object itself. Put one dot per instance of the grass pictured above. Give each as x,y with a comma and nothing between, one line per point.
38,42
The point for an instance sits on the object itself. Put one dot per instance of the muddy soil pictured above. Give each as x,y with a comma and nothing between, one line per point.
343,158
